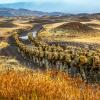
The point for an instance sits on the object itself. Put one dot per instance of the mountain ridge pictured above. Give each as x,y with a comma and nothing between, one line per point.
26,12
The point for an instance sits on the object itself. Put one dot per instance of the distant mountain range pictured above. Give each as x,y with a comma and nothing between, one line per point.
26,9
24,12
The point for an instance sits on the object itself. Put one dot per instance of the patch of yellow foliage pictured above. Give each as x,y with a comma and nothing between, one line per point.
3,45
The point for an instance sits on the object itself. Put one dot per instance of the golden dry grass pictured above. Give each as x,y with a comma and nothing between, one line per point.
20,83
78,37
6,32
36,85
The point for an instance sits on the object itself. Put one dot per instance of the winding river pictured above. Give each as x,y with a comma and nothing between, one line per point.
34,31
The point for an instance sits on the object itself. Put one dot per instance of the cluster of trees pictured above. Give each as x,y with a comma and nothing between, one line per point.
72,60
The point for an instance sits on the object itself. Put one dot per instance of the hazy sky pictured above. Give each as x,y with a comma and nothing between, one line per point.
64,5
80,2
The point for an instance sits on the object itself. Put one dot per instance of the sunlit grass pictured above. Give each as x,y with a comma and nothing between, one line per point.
3,45
18,82
8,31
51,85
92,37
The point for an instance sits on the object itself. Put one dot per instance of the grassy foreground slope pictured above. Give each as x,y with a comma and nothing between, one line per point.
20,83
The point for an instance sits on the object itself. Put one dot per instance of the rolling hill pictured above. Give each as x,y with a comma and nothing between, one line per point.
74,27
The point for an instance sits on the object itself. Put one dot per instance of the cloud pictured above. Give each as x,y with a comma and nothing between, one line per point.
86,3
82,2
75,2
43,1
59,1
